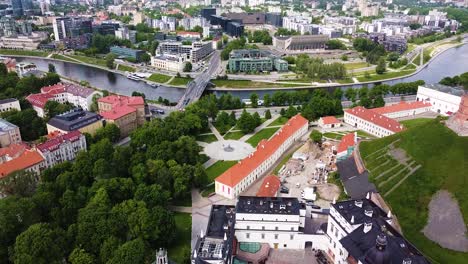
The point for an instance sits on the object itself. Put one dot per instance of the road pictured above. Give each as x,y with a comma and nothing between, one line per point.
196,87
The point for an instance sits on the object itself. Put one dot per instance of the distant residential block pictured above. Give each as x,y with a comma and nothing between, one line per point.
9,133
126,112
255,61
305,42
9,104
62,147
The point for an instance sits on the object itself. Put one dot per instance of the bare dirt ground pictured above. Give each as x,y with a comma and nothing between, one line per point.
328,191
445,224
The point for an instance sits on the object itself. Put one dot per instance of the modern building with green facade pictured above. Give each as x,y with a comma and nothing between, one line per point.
254,60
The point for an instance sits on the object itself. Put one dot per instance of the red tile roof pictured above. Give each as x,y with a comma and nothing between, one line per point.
327,120
121,105
375,118
54,143
402,106
347,141
264,150
38,100
269,186
14,150
28,159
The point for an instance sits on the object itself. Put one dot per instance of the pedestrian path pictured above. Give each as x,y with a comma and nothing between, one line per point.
215,132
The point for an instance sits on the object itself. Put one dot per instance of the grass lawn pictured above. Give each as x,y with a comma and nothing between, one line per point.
207,138
180,81
61,57
333,135
183,236
417,60
90,60
279,121
249,84
409,67
24,52
159,78
356,65
387,75
265,133
344,81
218,168
208,190
442,155
415,122
126,68
234,135
283,161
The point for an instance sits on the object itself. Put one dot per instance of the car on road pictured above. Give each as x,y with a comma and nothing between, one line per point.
158,111
284,189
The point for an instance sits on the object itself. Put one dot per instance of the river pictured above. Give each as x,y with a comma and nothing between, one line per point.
450,63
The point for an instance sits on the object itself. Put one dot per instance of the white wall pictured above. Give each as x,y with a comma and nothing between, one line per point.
368,127
441,102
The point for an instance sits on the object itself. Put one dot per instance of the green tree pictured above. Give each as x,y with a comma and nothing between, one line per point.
188,67
79,256
21,183
246,122
49,245
223,122
254,100
283,112
381,67
291,111
378,102
129,253
53,108
3,70
31,126
335,44
267,100
267,114
233,119
52,68
257,119
110,61
316,136
145,57
110,131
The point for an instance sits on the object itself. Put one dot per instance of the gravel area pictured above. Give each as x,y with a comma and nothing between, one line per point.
445,224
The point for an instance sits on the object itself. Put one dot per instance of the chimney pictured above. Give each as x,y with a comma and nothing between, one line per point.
271,205
368,195
334,201
367,227
358,203
368,211
352,219
381,242
389,214
201,234
225,237
194,254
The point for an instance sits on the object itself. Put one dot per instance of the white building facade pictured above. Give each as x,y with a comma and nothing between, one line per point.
9,104
371,122
62,148
173,63
445,100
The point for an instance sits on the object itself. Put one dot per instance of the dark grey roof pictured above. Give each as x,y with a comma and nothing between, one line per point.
268,205
458,91
74,120
356,209
356,185
9,100
363,246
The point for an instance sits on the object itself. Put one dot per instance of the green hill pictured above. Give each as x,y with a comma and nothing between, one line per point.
443,157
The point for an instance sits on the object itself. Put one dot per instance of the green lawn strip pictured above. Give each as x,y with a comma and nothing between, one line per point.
283,161
279,121
332,135
265,133
208,190
361,133
180,81
183,237
377,160
387,75
379,170
159,78
396,177
218,168
234,135
207,138
218,127
126,68
415,122
61,57
344,81
417,59
249,84
34,53
334,178
409,67
356,65
90,60
442,155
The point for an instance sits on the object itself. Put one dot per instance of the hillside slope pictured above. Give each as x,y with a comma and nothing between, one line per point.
444,159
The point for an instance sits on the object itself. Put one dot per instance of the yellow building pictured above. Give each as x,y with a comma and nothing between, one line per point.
126,112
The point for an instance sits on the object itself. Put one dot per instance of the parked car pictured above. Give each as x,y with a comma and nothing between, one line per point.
315,207
284,189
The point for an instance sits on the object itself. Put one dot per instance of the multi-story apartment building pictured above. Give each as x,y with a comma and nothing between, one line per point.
194,52
444,100
70,27
255,61
126,112
9,133
371,122
62,147
190,23
62,92
29,160
234,181
9,104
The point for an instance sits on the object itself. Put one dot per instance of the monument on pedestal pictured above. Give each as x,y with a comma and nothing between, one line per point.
459,121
